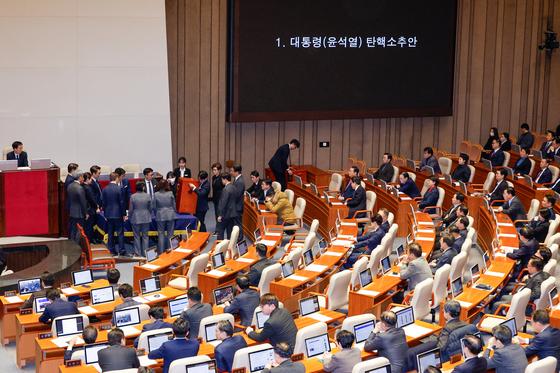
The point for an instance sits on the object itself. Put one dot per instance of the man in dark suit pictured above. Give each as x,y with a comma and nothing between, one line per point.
523,164
124,185
245,302
408,186
255,190
149,181
18,154
93,206
450,216
202,192
358,200
182,170
282,361
462,172
386,171
117,356
545,175
431,196
225,351
195,311
72,167
458,236
547,341
554,150
239,186
348,191
473,363
540,225
95,187
178,348
279,162
89,335
57,307
256,269
47,282
114,212
501,184
497,155
430,160
556,186
157,315
77,205
512,206
280,326
367,242
508,357
448,253
527,248
526,138
389,341
227,208
545,146
505,142
347,356
266,190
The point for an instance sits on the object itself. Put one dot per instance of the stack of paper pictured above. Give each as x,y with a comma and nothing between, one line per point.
348,224
70,291
370,293
140,299
150,266
87,310
298,278
415,331
319,317
343,243
182,250
333,253
316,268
14,299
217,273
494,274
490,322
130,330
268,242
244,260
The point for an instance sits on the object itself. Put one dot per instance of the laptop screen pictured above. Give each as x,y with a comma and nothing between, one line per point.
155,341
128,316
261,319
317,345
242,248
386,264
39,304
82,277
475,272
205,367
432,357
259,359
287,268
552,294
363,330
297,180
511,324
308,257
486,260
405,317
400,251
29,286
365,277
257,234
69,326
384,369
457,287
210,332
174,241
90,352
223,295
151,254
176,306
218,260
102,295
309,305
150,284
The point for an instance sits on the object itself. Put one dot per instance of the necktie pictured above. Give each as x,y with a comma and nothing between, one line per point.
150,190
17,156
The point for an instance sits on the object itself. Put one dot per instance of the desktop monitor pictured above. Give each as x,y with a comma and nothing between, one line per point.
551,295
288,268
317,345
257,234
400,251
448,178
365,277
39,304
327,197
174,241
177,306
432,357
429,170
463,187
82,277
151,254
218,260
261,319
385,264
210,332
405,317
297,180
413,213
29,286
204,367
308,257
309,305
314,189
102,295
534,152
150,285
384,369
512,325
259,359
127,316
410,164
222,295
528,180
69,326
475,272
363,330
156,340
90,352
242,247
456,287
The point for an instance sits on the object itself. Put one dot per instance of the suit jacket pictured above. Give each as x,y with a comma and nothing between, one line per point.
534,284
524,253
202,192
410,189
217,187
224,352
140,210
279,161
22,160
227,207
552,153
450,216
117,357
58,308
472,365
77,204
522,166
545,344
280,327
287,366
443,341
540,229
239,185
544,176
96,189
357,203
69,179
385,172
462,173
343,361
186,173
498,192
244,304
432,162
157,324
391,345
556,186
178,348
125,191
113,203
416,271
348,191
458,243
193,315
430,199
506,146
265,193
385,226
497,158
509,359
255,190
545,147
164,204
445,258
371,240
91,199
256,270
526,140
514,209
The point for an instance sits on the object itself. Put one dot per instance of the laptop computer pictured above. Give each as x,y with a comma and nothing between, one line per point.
365,277
127,317
102,295
261,319
242,247
456,287
218,260
385,264
8,165
39,304
405,317
297,180
258,360
177,306
512,325
151,254
156,340
287,269
410,164
82,277
551,295
223,295
39,164
69,326
90,352
204,367
150,285
307,306
308,257
317,345
29,286
362,332
425,359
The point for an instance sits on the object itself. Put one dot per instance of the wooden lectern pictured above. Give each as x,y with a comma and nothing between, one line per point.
186,198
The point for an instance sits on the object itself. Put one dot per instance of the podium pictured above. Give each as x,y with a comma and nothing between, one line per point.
29,202
186,198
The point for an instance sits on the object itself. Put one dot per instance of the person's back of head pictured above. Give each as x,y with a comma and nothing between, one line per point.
269,299
261,250
47,279
283,350
225,327
389,318
113,176
125,291
72,167
145,370
453,308
503,334
89,334
473,344
243,282
113,276
120,171
115,336
180,327
415,250
237,168
53,294
432,369
194,294
345,339
156,312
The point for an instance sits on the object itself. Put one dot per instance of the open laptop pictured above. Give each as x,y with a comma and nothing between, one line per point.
534,152
551,295
8,165
150,285
257,235
512,325
39,304
456,287
174,241
370,178
486,261
127,317
242,247
29,286
40,164
362,332
156,340
528,180
475,273
382,184
410,164
223,295
204,367
259,359
317,345
90,352
69,326
177,306
151,253
297,180
287,269
400,251
210,333
261,319
102,295
82,277
486,163
385,265
365,277
429,170
432,357
308,257
314,188
405,317
218,260
307,306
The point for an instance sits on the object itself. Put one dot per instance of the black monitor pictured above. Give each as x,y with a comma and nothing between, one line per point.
365,277
363,330
288,268
385,264
177,306
370,178
102,295
156,340
242,247
308,257
174,241
82,277
405,317
151,254
90,352
425,359
204,367
512,325
218,260
317,345
222,295
259,359
29,286
127,317
69,326
150,285
261,319
456,287
309,305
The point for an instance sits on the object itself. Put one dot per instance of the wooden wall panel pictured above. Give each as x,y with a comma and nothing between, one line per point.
501,79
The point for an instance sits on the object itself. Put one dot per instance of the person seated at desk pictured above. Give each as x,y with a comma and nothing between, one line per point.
451,215
508,357
488,145
540,225
282,362
459,235
554,150
408,186
431,196
117,356
366,242
547,339
545,146
196,311
389,341
267,191
125,293
348,191
448,253
278,203
245,302
386,171
57,307
47,282
430,160
89,335
497,194
414,269
156,315
280,326
526,138
548,203
462,172
505,142
346,358
385,217
544,253
545,175
113,277
523,164
225,351
178,348
182,170
17,154
472,347
512,206
497,155
256,269
358,200
255,190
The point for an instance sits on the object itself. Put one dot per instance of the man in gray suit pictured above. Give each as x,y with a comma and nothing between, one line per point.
414,267
125,292
512,206
508,357
117,356
227,208
239,184
282,361
164,204
195,311
77,205
245,302
344,360
140,216
389,341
